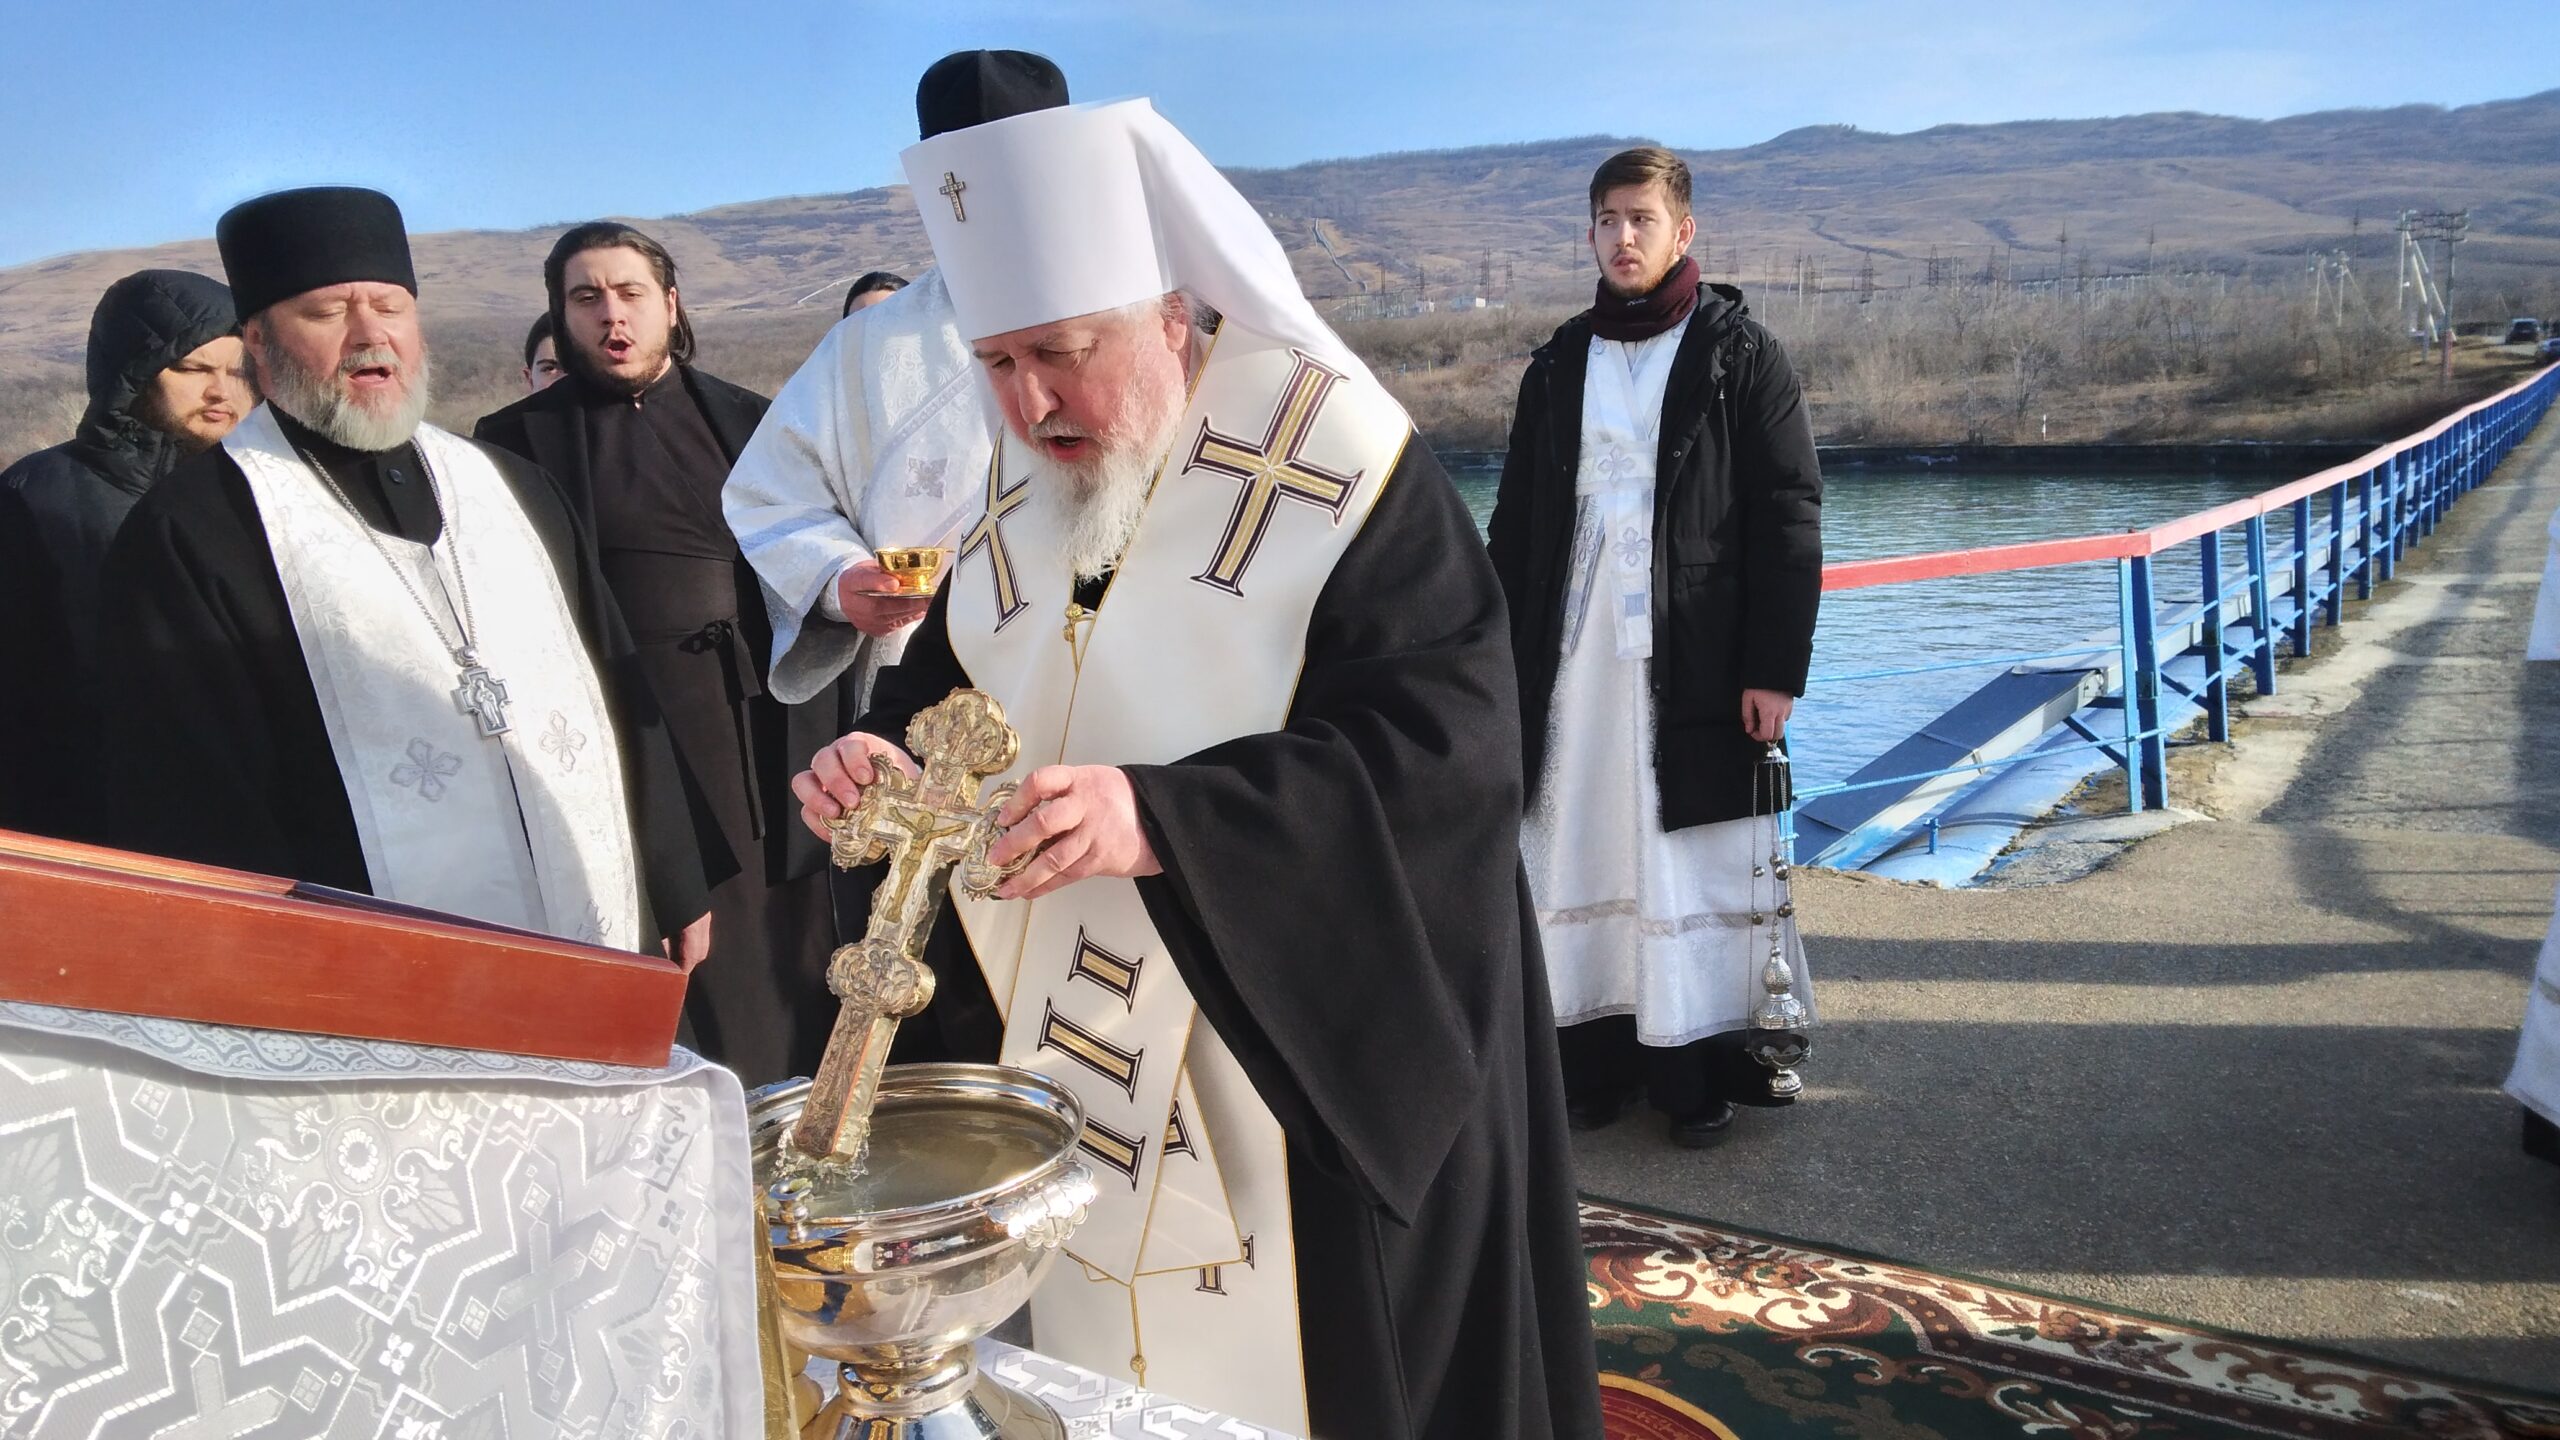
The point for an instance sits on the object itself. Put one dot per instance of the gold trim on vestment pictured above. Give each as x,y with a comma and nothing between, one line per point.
1135,677
989,532
1226,1195
1274,472
1062,1034
1112,973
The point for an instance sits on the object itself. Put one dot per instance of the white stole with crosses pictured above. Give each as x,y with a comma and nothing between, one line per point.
529,828
1183,1276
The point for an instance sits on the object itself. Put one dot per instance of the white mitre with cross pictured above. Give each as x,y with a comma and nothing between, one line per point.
1056,213
1185,1269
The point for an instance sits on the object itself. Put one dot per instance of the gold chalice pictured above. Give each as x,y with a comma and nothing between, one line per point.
915,569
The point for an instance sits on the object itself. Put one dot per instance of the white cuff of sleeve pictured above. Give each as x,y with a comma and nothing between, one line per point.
831,599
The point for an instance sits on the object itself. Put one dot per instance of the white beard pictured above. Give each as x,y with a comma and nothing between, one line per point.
1096,505
324,405
1096,524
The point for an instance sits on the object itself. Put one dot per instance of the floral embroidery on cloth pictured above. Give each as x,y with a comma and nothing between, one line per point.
426,769
924,477
561,743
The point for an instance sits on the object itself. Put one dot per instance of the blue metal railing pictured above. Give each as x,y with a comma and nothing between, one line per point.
2167,662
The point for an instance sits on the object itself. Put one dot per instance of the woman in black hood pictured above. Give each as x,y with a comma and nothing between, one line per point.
165,381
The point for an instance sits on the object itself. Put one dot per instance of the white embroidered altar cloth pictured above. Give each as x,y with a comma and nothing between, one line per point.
209,1232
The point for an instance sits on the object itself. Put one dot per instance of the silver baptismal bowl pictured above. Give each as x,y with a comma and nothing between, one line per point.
893,1269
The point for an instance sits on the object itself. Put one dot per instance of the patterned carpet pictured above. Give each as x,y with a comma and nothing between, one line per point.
1710,1331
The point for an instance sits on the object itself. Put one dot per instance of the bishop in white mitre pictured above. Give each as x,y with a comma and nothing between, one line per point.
1273,930
352,648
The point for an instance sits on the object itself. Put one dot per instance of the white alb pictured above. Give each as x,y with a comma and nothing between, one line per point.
882,437
1635,920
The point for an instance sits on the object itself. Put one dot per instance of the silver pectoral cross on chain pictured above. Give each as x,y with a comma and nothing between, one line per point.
481,695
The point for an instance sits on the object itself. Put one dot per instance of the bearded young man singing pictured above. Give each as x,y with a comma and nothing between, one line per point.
1659,537
642,439
348,647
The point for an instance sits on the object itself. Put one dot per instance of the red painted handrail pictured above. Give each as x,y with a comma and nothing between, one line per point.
2040,554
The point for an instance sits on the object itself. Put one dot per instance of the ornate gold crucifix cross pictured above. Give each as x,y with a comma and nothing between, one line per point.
923,825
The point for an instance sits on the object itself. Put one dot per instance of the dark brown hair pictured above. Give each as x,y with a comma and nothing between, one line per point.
614,235
534,337
1644,165
872,280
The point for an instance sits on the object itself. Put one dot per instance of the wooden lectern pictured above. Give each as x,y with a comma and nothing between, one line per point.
94,929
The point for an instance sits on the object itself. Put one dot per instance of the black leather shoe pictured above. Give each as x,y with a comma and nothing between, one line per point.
1597,1112
1703,1128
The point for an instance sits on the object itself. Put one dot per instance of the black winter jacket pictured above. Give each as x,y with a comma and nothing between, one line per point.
58,509
1737,548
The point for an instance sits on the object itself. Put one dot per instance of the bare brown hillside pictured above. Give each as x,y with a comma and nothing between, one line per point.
2221,212
2184,190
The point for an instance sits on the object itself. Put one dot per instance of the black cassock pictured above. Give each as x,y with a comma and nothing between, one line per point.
646,477
219,750
1345,899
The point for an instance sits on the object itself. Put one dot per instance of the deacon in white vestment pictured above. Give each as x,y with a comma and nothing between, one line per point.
2535,1081
1272,930
351,648
1658,534
880,437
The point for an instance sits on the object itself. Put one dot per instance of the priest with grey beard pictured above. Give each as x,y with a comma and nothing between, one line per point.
1269,925
356,650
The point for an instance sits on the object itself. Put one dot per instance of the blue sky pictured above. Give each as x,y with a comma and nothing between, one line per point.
130,123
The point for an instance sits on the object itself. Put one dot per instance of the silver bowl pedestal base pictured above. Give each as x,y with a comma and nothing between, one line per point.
984,1409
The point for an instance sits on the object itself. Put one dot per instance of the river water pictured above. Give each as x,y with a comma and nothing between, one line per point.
1878,510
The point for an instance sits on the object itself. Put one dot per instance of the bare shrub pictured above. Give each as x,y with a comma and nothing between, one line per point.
1876,399
479,366
760,348
1452,337
1459,407
40,405
2176,358
2366,349
2263,363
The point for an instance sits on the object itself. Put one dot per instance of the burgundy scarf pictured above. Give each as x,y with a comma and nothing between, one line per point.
1615,317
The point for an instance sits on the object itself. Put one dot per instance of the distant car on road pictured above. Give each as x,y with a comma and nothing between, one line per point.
2523,330
2549,349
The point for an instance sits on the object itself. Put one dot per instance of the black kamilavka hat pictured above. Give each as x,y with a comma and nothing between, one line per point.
972,87
278,246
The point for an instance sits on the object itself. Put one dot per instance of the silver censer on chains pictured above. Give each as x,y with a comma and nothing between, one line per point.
1778,1040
